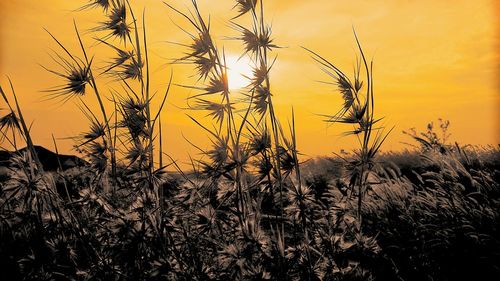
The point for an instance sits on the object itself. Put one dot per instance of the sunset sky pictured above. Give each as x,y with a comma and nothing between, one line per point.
431,59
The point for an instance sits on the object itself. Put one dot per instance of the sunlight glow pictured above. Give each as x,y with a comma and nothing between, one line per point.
238,71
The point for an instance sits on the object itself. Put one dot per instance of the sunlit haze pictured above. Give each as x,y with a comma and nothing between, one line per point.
239,69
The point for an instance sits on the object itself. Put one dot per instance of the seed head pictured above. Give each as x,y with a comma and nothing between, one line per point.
287,160
117,22
204,65
96,131
201,45
132,70
122,56
264,167
255,41
259,75
76,78
346,90
216,110
104,4
261,99
244,6
9,121
217,85
260,142
219,153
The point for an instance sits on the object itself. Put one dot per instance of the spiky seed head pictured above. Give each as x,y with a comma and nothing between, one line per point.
359,111
120,59
97,154
259,75
97,148
104,4
345,89
204,66
241,158
76,79
131,105
123,56
132,70
261,99
358,85
250,41
216,110
96,131
287,160
217,85
117,22
263,166
219,153
356,115
265,40
136,125
201,45
9,121
137,154
134,117
301,201
255,41
245,6
260,142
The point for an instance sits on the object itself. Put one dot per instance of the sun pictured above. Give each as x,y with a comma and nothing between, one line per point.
238,71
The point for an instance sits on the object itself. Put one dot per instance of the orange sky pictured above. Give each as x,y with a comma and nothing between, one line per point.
432,59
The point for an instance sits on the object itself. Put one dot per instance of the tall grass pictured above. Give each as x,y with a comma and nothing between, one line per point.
249,209
358,111
126,138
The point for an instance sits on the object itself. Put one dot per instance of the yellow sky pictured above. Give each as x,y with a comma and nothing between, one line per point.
432,59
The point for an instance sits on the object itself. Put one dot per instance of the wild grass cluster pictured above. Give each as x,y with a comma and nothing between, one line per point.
248,208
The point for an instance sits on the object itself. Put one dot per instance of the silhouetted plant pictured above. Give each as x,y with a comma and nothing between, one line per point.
249,209
430,140
358,110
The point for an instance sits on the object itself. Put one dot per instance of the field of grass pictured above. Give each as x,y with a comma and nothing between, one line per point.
250,208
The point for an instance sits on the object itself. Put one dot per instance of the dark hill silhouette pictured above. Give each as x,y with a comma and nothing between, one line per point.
50,160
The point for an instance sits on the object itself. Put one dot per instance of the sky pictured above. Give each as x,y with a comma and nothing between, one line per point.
432,59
